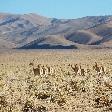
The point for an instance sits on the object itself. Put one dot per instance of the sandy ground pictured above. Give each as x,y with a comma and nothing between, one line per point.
22,90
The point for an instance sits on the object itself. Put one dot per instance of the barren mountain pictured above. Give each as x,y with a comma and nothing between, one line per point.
35,31
51,42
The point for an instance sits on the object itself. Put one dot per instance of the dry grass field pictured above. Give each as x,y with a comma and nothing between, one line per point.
61,86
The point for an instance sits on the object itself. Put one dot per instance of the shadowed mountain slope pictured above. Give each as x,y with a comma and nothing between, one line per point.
51,42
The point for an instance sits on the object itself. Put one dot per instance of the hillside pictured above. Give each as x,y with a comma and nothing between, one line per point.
24,31
51,42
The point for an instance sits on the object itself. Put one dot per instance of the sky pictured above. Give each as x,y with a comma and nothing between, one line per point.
66,9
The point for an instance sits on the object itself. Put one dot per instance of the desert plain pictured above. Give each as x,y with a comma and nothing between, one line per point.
63,90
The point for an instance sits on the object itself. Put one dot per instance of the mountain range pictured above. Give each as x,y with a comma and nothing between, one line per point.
32,31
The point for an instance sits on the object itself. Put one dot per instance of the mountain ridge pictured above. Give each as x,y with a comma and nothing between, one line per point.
27,29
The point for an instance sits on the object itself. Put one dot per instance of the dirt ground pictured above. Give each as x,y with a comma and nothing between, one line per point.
63,90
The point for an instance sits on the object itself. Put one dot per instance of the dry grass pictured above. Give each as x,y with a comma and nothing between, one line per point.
63,91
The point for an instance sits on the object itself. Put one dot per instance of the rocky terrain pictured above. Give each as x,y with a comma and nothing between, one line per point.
32,31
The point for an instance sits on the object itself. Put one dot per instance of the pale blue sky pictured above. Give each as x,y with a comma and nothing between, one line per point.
58,8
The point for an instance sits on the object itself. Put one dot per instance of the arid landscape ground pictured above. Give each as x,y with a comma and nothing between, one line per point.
55,56
64,89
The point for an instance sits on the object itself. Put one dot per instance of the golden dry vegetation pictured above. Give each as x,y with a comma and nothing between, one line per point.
64,90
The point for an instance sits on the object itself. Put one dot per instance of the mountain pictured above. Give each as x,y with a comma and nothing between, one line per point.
51,42
32,31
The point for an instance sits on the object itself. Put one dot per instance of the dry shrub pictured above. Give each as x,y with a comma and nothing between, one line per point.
42,96
61,101
28,107
41,109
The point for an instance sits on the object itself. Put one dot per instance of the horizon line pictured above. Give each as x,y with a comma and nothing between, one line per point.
51,17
